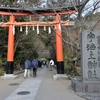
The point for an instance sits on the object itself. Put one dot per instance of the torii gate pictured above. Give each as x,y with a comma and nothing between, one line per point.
12,23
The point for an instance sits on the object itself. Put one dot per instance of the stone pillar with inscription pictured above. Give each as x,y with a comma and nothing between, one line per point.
90,63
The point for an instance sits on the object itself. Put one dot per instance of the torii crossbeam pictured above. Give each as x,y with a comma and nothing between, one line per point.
13,12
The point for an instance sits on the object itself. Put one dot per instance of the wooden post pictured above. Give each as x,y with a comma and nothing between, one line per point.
10,53
59,47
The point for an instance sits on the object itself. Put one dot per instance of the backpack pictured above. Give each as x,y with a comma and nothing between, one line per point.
34,63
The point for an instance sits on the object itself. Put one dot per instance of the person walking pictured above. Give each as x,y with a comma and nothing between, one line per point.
34,65
43,63
27,67
51,64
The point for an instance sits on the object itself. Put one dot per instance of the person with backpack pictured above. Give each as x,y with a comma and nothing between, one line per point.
34,65
27,67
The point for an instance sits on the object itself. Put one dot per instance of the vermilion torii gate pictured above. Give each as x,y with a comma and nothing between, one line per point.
12,23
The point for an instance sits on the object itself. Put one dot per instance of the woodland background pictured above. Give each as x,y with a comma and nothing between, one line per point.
42,45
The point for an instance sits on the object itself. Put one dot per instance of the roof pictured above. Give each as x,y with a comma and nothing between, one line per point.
36,10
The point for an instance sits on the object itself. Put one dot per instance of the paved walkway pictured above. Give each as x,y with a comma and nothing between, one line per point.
42,87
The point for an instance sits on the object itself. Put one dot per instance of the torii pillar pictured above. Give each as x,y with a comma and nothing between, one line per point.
10,54
59,50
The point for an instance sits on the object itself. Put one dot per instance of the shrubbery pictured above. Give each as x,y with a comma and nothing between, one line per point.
69,66
1,72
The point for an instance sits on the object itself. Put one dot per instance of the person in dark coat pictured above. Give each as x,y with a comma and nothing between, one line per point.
34,66
27,67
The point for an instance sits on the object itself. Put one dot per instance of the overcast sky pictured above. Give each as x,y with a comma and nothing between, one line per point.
92,2
90,6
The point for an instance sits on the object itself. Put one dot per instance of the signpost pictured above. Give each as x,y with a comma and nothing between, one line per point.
90,63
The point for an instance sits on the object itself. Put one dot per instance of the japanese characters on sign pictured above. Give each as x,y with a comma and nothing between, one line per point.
91,56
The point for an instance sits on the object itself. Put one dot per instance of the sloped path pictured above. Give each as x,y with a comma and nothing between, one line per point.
42,87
